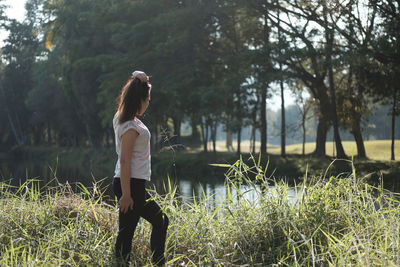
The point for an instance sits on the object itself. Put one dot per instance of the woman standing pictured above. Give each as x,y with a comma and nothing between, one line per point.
133,169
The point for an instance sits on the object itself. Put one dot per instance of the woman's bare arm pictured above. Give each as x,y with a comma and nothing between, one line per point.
127,142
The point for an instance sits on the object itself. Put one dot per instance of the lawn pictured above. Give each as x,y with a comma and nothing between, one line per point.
376,150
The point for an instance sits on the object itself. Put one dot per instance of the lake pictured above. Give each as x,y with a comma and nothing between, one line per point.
211,188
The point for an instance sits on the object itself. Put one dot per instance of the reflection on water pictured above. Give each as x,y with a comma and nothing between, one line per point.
211,188
48,174
216,194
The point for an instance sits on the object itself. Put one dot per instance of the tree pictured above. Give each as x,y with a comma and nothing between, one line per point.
378,46
386,52
329,38
281,80
304,106
304,57
262,60
19,53
79,35
236,29
310,57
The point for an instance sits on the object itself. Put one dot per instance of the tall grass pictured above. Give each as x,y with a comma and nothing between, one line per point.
334,221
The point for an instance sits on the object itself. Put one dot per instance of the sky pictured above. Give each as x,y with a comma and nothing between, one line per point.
16,10
274,103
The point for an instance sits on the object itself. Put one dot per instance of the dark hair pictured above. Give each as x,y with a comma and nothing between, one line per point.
130,101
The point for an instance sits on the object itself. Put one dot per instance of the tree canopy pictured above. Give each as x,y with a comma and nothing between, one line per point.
212,62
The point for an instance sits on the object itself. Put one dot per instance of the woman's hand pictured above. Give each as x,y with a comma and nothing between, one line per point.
125,203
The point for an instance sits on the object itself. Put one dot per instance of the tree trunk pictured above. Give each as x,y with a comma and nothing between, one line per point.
356,131
89,136
229,140
267,30
177,129
338,141
329,35
18,138
323,120
394,109
254,128
263,149
356,114
214,135
206,139
303,126
239,137
322,129
253,140
195,132
204,135
283,119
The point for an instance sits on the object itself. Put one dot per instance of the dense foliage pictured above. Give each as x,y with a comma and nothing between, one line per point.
213,62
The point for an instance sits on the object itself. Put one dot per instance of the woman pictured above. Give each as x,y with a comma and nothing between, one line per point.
133,170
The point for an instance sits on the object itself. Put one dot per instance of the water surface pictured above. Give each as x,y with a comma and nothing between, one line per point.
211,188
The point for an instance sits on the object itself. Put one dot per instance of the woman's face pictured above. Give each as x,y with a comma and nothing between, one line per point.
145,104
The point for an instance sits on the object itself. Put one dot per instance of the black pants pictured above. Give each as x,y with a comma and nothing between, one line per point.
150,211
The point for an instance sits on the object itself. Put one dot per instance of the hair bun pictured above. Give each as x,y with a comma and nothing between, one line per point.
140,75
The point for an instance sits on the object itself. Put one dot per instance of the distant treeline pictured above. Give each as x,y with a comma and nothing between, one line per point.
377,127
213,64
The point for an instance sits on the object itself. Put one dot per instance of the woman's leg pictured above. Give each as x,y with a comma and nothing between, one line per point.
128,221
159,221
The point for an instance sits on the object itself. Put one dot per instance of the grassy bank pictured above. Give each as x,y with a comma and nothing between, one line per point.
335,221
376,149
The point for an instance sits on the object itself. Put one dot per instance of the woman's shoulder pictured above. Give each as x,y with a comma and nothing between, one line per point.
137,121
117,123
130,124
140,124
133,123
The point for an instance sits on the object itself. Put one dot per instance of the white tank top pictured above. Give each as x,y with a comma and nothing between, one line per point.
140,161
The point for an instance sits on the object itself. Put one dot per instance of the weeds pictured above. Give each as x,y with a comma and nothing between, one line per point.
333,221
